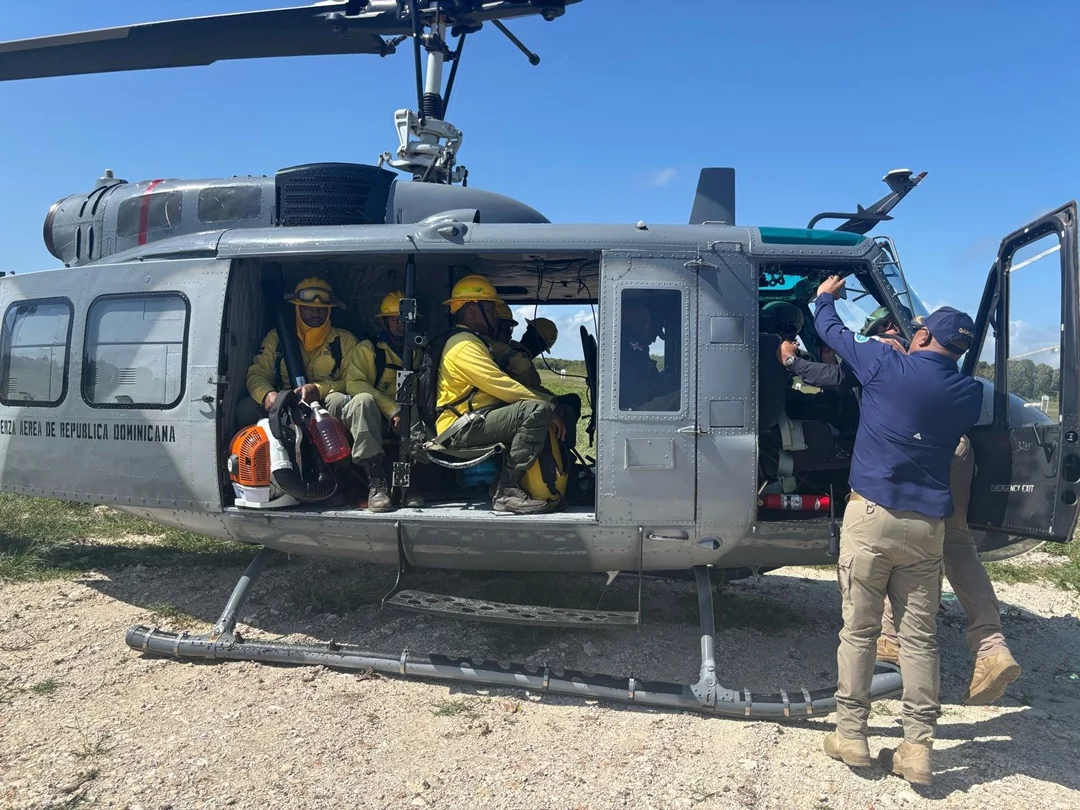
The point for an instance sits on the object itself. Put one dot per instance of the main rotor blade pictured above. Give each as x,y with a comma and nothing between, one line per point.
329,27
305,31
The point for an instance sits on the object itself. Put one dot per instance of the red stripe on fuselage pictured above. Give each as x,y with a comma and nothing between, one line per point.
144,210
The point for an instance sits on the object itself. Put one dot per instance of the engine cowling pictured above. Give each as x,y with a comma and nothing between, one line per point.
118,215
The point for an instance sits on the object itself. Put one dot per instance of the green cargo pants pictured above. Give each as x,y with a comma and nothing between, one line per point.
521,427
886,552
963,568
363,420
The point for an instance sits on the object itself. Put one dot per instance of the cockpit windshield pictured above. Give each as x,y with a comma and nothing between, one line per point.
858,305
889,264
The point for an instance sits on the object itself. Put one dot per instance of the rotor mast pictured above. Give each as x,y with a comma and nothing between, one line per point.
427,144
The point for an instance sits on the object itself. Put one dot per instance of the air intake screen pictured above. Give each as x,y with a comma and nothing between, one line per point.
333,194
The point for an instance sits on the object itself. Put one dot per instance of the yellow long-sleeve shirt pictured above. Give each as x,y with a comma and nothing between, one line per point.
318,365
467,365
360,369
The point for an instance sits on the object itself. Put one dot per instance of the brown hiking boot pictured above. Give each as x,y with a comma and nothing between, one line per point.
992,674
910,760
513,499
888,651
413,499
852,751
378,489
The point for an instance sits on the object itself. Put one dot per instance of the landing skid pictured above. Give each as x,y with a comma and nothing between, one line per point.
706,695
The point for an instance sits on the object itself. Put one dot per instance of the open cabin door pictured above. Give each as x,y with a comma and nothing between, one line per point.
109,383
647,394
1027,480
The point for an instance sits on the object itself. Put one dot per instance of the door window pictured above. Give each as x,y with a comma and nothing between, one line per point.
135,351
1033,370
650,350
34,352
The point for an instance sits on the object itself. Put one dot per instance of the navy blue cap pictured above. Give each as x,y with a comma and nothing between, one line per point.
950,327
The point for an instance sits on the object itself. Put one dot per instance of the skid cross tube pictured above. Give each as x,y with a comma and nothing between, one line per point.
706,696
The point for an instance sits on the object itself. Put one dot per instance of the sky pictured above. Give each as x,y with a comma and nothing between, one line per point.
812,103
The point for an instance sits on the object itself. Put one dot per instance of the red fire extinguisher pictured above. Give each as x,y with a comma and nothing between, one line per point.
795,503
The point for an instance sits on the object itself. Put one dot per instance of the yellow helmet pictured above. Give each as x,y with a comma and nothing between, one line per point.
546,330
314,292
503,313
391,305
471,288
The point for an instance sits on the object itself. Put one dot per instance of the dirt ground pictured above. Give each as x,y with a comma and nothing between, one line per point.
85,721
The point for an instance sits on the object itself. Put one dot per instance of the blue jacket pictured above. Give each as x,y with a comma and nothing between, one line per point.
914,410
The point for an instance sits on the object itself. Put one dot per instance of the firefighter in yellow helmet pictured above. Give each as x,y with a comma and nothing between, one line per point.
323,348
372,410
479,405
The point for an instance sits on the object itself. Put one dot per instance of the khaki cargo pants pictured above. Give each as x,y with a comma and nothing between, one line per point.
886,552
963,568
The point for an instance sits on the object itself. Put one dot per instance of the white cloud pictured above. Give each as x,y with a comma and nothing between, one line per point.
663,176
1039,345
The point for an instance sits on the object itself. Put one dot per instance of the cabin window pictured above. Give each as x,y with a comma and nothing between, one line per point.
650,350
148,213
135,351
230,203
34,352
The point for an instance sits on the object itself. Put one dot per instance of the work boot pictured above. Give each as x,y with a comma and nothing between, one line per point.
510,497
413,499
992,674
910,760
378,489
888,651
852,751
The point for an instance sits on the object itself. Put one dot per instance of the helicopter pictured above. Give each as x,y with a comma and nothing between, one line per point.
121,371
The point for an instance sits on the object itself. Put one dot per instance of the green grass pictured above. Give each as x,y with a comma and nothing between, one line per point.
454,708
43,539
46,687
570,385
93,743
1063,572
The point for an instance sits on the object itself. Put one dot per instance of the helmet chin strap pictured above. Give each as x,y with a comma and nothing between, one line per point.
487,320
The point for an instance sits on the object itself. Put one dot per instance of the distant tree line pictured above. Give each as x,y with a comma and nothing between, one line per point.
1026,379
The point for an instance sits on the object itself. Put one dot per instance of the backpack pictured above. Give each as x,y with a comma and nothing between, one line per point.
427,382
381,362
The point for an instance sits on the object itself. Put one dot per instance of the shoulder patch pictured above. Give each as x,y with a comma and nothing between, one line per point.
861,339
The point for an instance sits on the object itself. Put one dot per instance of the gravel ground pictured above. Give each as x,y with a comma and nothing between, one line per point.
85,721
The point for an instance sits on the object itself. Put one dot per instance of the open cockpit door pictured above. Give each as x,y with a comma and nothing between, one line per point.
109,385
1027,344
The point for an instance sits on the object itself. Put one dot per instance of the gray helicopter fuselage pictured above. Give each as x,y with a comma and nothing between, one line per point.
675,486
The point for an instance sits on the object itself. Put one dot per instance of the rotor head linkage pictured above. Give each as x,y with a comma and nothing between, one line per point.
532,57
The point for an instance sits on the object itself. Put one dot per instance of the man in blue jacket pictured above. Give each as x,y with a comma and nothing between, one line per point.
915,408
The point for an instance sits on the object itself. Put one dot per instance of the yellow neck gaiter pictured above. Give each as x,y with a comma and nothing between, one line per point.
313,337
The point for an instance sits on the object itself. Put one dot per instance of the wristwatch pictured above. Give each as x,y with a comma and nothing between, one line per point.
789,361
